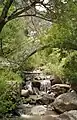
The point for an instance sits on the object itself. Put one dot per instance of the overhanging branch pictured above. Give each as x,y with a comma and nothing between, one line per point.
15,14
41,47
6,8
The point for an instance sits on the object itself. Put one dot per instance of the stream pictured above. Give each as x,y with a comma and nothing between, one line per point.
37,97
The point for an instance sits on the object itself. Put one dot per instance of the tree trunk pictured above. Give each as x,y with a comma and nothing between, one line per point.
2,23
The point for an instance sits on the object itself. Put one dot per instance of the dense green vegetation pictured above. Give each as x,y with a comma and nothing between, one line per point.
62,55
58,58
9,90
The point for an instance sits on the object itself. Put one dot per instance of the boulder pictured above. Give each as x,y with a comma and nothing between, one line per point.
38,110
71,115
24,93
45,99
60,88
66,102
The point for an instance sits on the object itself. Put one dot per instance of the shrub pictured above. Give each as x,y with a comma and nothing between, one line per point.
9,90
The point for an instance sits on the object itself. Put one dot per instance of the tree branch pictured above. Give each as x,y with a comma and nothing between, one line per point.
1,46
41,47
6,8
36,16
19,12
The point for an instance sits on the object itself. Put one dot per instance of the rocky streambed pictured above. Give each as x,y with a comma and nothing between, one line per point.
45,97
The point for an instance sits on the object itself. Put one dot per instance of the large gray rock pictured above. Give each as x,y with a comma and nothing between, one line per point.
66,102
60,89
71,115
45,99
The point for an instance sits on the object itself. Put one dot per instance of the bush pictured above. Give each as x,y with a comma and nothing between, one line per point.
9,90
63,64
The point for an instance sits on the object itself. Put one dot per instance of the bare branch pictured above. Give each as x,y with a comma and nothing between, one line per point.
20,11
36,16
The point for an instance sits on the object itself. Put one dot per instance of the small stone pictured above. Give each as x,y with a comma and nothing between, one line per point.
24,93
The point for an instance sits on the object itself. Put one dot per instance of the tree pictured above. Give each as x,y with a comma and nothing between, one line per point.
61,56
23,7
20,9
55,11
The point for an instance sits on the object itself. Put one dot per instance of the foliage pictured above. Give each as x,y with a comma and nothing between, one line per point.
61,56
11,36
60,36
63,64
14,41
16,44
9,90
35,61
